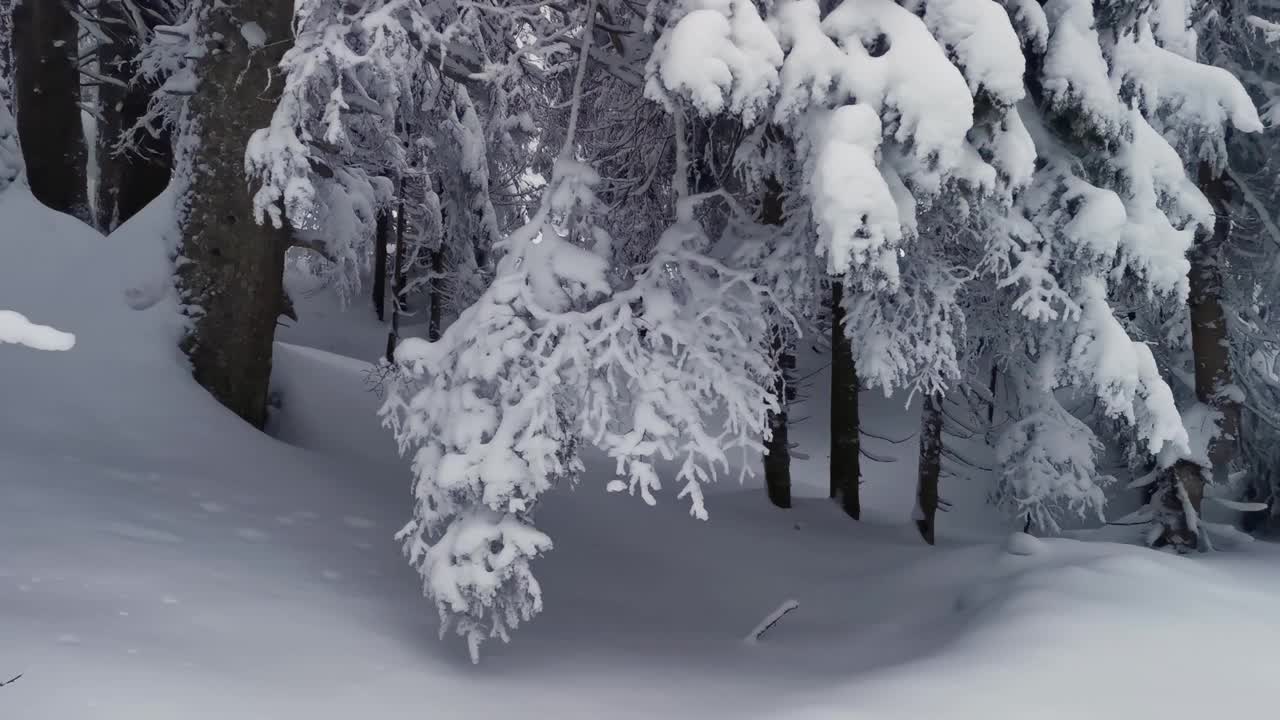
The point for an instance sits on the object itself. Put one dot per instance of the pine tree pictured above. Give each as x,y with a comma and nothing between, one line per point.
846,459
231,276
134,154
930,467
47,94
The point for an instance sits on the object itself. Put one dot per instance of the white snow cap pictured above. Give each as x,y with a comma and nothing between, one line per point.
719,54
16,329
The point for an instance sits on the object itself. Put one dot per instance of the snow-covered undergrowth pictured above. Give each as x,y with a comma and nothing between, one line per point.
160,560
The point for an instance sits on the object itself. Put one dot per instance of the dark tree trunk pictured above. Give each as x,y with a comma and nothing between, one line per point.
128,177
436,318
381,237
1183,478
45,47
777,460
846,463
930,466
1210,344
1182,486
397,280
991,388
233,277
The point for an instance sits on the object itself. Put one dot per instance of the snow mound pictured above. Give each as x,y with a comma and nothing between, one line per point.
1023,544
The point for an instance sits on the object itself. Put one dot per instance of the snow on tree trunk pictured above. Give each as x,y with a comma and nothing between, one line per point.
134,164
930,466
777,460
846,462
45,42
232,267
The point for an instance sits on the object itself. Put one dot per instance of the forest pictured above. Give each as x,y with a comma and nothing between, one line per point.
945,327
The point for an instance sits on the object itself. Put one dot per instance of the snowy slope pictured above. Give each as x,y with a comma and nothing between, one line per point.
163,561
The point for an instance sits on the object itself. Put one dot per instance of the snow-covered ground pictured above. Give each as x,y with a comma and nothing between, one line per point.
160,560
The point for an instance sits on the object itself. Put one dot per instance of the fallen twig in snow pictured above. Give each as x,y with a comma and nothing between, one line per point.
772,619
11,680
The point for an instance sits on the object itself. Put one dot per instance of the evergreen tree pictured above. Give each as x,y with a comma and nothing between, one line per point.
47,95
231,274
135,150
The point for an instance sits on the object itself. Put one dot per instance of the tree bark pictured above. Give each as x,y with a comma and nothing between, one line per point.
777,460
1180,495
846,462
50,129
131,176
381,237
435,319
232,278
397,280
1210,344
1182,487
930,466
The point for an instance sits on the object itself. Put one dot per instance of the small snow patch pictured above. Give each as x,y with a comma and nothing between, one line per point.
254,35
251,534
359,523
1023,544
213,507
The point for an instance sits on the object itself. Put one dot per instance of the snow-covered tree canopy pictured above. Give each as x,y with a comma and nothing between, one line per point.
892,107
965,169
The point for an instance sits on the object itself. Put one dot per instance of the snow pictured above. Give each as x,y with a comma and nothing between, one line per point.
16,329
163,560
720,52
254,35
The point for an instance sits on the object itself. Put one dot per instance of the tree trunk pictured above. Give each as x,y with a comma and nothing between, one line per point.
777,460
1210,344
132,176
930,466
397,280
233,275
381,237
436,318
45,47
846,462
1182,487
1179,496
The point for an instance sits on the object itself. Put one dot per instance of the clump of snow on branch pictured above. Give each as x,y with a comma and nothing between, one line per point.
720,55
557,354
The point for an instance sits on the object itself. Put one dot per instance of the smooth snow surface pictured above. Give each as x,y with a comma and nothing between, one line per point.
161,561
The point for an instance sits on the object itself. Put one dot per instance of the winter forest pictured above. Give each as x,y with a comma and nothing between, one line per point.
639,358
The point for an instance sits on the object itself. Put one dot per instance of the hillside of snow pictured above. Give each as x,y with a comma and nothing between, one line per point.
160,560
